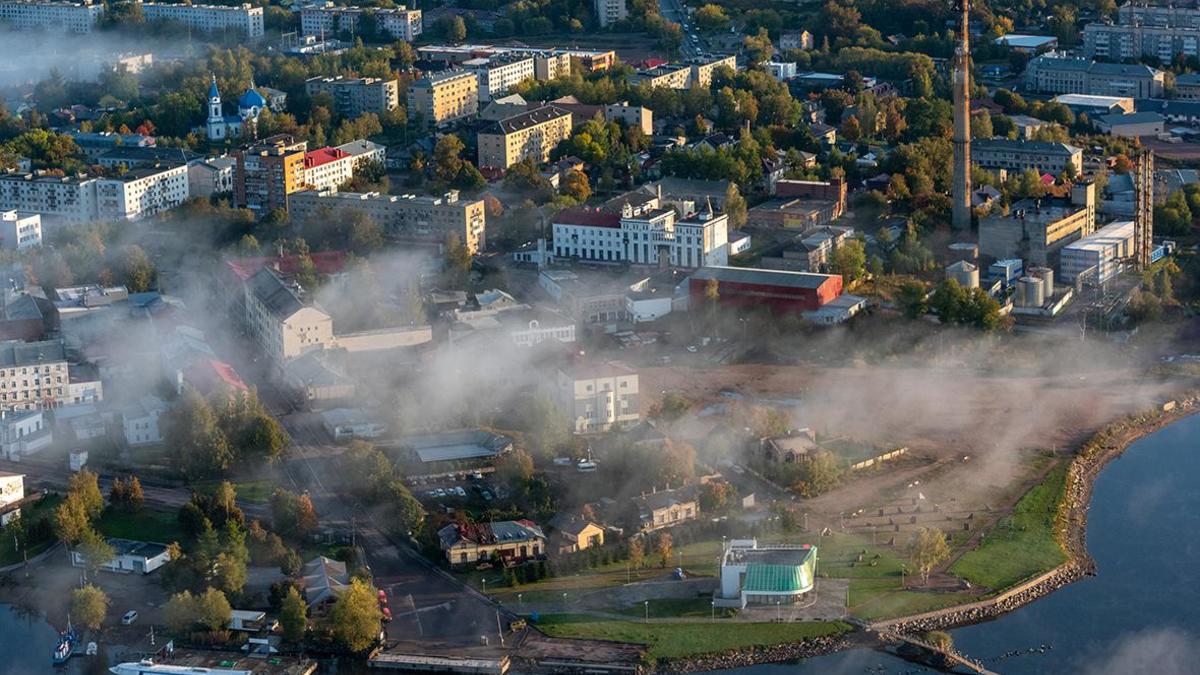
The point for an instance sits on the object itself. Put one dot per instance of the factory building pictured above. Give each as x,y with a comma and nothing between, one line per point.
1101,251
780,290
1037,229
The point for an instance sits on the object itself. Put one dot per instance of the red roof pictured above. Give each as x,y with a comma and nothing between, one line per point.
323,156
326,262
590,217
210,376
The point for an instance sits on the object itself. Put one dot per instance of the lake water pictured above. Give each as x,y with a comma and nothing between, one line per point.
1140,614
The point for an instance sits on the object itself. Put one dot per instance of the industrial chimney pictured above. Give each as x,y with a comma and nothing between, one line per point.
961,188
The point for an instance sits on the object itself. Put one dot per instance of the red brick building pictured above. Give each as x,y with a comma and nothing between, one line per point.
780,290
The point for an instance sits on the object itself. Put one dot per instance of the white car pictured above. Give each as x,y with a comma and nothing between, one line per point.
129,617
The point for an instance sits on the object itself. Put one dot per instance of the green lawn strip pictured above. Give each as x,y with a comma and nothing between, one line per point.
894,603
44,508
251,492
1022,545
670,608
678,640
838,555
145,525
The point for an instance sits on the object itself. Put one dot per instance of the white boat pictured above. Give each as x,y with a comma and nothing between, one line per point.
149,667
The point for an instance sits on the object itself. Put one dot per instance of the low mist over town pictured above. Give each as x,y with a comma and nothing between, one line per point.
599,336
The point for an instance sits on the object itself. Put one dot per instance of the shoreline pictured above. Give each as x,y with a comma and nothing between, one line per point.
1102,447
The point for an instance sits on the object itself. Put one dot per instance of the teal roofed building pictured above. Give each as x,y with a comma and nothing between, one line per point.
765,575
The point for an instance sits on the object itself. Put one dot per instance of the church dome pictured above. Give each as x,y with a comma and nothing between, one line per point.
252,99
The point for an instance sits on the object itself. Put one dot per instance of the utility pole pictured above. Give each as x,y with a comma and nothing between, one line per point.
960,189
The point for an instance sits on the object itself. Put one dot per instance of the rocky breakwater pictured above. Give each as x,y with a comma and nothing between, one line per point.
742,658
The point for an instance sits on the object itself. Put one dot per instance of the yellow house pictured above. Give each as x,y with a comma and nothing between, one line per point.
575,534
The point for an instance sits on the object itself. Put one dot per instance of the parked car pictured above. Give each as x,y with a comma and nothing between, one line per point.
129,617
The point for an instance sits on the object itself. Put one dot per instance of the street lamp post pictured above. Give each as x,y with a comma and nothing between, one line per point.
778,611
646,604
564,600
521,599
714,611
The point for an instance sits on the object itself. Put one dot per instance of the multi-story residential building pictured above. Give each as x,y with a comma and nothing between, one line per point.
243,19
530,135
598,396
444,97
407,217
399,23
142,192
326,168
549,65
132,157
1001,153
33,375
267,172
609,12
139,421
354,96
1056,74
211,176
1120,43
66,17
20,230
498,74
12,492
364,152
1185,15
96,143
703,69
1035,230
631,116
669,76
282,323
61,199
645,235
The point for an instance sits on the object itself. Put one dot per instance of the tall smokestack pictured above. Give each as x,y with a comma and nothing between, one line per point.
961,188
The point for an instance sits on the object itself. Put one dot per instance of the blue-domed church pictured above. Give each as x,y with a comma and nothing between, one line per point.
221,126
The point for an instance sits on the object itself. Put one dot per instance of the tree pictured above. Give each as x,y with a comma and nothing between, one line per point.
637,552
852,129
126,494
97,552
89,606
213,610
819,474
849,260
711,18
662,545
929,549
137,269
356,616
293,516
735,206
71,522
452,28
910,298
293,616
201,447
447,160
86,486
575,185
407,514
458,261
715,496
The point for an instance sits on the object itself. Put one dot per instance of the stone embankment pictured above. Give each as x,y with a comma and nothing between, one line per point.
1070,526
748,657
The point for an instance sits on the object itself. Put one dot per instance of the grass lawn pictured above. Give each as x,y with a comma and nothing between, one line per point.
42,509
670,608
253,491
674,640
1023,544
874,599
145,525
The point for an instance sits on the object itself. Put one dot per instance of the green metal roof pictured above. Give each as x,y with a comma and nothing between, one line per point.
780,579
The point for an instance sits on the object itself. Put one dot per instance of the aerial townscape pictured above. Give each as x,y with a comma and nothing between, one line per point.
599,336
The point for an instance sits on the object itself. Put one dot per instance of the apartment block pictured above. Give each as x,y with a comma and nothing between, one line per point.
609,12
1055,74
703,69
34,375
667,76
802,40
142,192
267,172
499,74
243,19
281,321
1001,153
59,199
444,97
211,176
1119,43
20,230
530,135
631,116
44,15
407,217
355,96
328,19
599,396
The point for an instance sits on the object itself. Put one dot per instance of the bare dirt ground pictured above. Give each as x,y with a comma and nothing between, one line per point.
942,415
